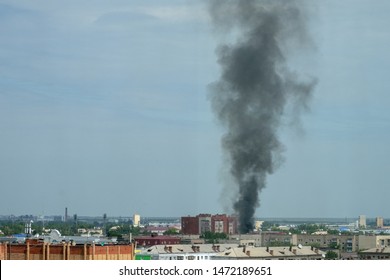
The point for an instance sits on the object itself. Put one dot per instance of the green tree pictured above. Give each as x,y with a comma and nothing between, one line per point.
9,228
213,237
266,226
331,255
171,231
333,231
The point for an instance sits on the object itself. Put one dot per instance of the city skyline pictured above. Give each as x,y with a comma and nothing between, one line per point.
104,108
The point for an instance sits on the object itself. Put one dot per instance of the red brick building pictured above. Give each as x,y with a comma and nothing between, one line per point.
190,225
223,223
38,250
152,240
206,222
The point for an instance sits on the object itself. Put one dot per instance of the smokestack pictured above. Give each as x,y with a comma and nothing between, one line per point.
66,214
255,90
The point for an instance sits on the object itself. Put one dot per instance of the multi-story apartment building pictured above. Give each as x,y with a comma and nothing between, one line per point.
271,253
345,243
362,221
379,222
373,241
207,222
275,238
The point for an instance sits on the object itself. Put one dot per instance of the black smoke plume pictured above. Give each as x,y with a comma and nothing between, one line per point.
255,89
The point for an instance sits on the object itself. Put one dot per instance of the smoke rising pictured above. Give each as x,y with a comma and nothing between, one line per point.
256,90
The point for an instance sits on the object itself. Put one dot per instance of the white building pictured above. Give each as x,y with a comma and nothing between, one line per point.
186,251
362,221
136,220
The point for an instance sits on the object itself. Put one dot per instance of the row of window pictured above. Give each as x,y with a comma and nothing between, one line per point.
186,258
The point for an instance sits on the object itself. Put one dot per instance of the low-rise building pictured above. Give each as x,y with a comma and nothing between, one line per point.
375,254
35,249
148,241
160,230
55,237
183,251
90,232
345,243
274,238
271,253
246,239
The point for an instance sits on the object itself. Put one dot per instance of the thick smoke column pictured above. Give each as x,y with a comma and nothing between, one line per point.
255,89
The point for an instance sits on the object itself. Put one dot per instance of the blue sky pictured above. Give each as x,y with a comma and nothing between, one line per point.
104,109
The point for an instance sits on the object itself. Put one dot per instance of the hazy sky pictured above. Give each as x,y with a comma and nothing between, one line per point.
104,109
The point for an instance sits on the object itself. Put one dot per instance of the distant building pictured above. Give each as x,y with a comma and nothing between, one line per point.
258,225
66,215
206,222
160,230
56,218
136,220
96,231
362,221
379,222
